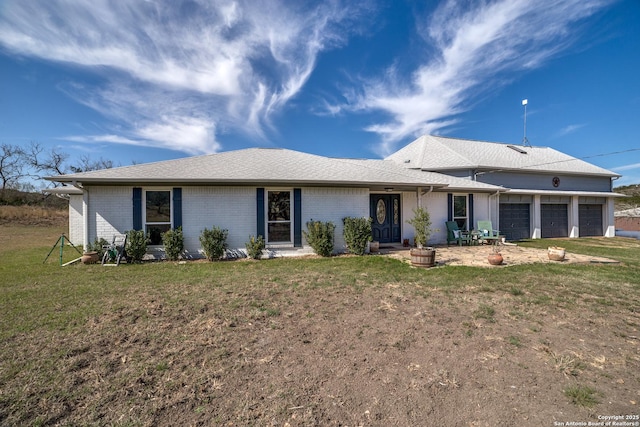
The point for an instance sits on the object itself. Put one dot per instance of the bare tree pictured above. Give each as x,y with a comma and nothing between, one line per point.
85,164
12,165
46,162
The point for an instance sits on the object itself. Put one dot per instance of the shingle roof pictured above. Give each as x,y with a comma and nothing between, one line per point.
437,153
633,212
269,166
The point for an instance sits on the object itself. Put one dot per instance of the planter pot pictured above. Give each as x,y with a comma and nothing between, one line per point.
89,258
374,246
424,257
495,259
556,253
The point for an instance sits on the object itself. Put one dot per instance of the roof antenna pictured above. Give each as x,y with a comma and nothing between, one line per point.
525,141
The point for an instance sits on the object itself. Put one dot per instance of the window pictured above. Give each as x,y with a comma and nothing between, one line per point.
460,211
157,214
279,217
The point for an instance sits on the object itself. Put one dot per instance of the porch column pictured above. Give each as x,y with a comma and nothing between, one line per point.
574,217
85,219
609,220
536,219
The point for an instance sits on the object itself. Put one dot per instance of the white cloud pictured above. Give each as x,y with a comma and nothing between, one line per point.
627,167
475,48
569,129
214,65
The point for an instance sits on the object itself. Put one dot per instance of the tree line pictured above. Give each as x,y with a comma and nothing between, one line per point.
20,166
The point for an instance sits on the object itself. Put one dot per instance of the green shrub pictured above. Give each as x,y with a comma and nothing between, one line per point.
173,241
255,246
97,246
357,232
214,242
136,245
319,235
422,224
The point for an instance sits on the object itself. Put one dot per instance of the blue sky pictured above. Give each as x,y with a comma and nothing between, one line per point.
142,81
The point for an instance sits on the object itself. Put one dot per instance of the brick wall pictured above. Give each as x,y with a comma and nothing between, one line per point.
627,223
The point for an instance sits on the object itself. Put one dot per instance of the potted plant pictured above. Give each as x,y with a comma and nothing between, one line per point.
421,255
495,257
556,253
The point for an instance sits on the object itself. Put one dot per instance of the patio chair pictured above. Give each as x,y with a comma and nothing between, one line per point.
487,233
454,234
115,252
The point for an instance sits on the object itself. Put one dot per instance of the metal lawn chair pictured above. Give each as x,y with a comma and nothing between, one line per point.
116,251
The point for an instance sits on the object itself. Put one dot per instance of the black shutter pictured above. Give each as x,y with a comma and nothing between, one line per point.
471,219
297,217
260,213
177,207
137,208
449,207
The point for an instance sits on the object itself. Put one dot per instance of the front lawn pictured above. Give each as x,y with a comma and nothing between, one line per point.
339,341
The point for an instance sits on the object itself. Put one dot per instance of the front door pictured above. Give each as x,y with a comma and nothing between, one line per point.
385,211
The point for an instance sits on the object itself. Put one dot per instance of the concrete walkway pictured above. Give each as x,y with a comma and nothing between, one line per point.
477,256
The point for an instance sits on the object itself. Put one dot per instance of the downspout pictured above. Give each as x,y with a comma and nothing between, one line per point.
490,205
85,214
422,193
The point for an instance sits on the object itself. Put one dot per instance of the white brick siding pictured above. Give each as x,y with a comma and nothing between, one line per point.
110,211
231,208
76,232
333,204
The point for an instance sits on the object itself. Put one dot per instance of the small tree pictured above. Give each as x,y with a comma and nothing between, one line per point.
421,222
320,236
357,232
214,242
136,245
255,246
173,241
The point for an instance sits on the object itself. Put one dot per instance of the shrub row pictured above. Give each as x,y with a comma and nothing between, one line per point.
319,235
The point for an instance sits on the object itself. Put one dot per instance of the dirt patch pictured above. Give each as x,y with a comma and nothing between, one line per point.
512,253
332,357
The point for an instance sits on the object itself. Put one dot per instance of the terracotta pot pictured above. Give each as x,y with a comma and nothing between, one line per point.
556,253
423,257
495,259
89,258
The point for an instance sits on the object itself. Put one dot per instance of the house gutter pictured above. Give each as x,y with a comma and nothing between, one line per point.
85,214
421,193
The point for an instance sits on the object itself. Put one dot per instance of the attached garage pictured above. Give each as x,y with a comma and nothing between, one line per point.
590,219
515,220
554,220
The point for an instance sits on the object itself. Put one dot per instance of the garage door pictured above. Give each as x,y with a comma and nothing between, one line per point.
515,221
590,217
555,221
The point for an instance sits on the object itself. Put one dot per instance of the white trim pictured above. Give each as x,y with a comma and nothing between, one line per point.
564,193
144,209
279,244
466,209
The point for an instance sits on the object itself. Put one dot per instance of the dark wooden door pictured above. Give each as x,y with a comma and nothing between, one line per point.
385,211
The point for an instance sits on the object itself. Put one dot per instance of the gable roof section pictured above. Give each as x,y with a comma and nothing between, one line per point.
437,153
271,166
